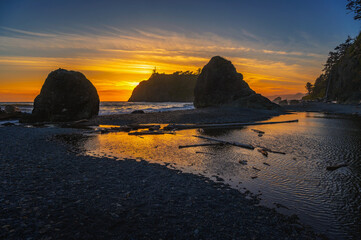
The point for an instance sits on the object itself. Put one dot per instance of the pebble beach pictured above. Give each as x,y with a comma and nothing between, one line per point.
51,191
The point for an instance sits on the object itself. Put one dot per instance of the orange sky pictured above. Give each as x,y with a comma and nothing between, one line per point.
116,63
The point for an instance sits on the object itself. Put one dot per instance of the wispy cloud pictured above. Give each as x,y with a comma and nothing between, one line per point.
131,55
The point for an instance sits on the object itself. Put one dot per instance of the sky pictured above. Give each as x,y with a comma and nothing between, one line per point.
277,45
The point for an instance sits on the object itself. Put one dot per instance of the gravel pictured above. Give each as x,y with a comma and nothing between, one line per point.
48,191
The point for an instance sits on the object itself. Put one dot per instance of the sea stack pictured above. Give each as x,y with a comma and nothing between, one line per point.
220,84
66,96
160,87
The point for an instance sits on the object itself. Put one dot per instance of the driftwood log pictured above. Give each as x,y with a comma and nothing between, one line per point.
201,145
242,145
333,168
146,133
222,125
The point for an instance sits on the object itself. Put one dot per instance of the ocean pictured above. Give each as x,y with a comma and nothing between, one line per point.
107,108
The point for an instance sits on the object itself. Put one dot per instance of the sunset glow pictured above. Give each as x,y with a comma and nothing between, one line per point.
116,58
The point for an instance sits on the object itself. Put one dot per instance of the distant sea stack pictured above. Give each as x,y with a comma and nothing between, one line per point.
220,84
160,87
66,96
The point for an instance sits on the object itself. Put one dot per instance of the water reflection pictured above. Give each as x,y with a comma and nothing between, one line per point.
329,201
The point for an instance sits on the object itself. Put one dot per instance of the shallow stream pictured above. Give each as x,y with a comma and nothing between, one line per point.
294,183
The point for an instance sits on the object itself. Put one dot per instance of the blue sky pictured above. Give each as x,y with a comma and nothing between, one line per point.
278,45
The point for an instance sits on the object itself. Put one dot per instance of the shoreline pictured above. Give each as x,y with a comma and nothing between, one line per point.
50,191
204,115
333,108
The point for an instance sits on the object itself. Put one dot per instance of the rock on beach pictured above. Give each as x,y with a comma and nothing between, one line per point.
66,96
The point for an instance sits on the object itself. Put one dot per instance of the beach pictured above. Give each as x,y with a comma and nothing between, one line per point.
49,190
202,115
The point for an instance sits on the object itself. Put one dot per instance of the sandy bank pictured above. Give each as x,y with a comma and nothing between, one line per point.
206,115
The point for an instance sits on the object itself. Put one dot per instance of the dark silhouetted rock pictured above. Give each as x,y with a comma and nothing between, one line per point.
66,96
277,100
220,84
138,112
11,109
294,102
283,102
160,87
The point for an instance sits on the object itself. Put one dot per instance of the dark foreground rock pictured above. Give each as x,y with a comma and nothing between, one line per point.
61,195
66,96
220,84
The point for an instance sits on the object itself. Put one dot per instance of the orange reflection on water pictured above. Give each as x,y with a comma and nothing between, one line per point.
154,148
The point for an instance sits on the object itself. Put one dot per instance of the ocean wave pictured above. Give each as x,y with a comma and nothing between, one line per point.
107,108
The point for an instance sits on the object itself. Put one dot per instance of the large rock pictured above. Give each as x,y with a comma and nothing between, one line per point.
220,84
162,87
66,96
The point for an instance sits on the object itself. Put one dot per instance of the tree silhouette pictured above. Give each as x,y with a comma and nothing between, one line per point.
340,51
155,70
355,7
309,87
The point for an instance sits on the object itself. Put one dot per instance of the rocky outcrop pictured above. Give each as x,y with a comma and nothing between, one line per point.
66,96
176,87
220,84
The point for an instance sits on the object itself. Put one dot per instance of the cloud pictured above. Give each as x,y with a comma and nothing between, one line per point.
129,56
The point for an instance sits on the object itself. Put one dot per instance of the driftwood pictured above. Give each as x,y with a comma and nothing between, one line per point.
143,126
222,125
271,151
264,152
227,142
258,131
146,133
333,168
201,145
130,127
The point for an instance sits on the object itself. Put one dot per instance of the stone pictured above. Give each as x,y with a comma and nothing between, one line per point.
220,84
66,96
138,112
11,109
